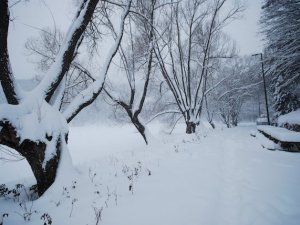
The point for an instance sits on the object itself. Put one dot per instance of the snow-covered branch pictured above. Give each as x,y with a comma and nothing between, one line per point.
87,96
240,88
63,60
163,113
215,86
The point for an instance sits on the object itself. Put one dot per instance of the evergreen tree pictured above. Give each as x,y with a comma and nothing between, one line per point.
281,27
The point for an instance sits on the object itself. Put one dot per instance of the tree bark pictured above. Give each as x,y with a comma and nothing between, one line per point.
6,76
190,127
234,123
140,127
34,153
212,124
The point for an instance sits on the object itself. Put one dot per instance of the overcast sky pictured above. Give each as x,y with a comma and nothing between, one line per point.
38,14
245,30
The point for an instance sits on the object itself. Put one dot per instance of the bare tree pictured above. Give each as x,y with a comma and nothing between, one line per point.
137,63
188,50
242,84
230,110
31,123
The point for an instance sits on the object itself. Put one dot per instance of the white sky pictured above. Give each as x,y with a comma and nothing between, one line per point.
245,30
36,13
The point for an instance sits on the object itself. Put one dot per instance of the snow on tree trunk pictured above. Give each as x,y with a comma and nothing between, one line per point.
44,173
38,132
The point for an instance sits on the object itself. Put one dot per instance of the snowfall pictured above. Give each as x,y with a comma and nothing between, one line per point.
218,177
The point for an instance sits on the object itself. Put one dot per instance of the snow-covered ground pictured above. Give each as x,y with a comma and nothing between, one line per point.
220,176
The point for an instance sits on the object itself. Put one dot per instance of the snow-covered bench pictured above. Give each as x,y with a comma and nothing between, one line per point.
287,139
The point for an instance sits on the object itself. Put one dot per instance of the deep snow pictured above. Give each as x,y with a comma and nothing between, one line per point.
280,133
290,118
220,176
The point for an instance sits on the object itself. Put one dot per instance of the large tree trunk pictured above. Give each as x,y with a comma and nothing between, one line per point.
35,155
190,127
34,152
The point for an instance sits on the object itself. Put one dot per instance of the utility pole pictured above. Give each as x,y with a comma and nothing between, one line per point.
264,81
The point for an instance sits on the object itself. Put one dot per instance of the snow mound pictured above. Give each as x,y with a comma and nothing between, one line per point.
290,118
253,133
33,119
265,142
280,134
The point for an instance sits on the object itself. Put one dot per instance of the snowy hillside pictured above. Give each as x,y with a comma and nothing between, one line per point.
216,177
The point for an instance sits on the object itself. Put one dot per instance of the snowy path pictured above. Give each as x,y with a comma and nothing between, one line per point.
223,178
226,179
